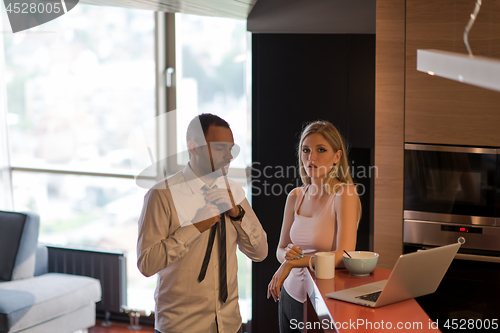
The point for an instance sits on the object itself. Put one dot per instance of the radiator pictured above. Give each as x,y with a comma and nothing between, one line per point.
108,266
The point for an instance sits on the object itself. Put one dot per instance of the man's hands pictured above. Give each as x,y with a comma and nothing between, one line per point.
208,215
222,197
219,201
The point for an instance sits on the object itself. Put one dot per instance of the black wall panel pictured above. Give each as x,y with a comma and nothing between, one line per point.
298,78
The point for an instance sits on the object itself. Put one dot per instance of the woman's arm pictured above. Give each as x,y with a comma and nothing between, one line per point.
288,218
281,274
347,208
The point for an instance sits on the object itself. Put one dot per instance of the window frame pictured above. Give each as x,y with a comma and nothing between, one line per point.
50,169
167,96
166,131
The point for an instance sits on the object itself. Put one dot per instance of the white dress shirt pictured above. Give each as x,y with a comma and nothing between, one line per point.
176,253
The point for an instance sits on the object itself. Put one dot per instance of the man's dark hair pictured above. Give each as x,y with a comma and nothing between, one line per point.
206,120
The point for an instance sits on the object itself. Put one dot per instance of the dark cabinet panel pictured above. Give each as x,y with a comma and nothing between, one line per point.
298,78
362,91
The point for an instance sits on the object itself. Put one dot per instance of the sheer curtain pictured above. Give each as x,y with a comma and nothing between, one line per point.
5,172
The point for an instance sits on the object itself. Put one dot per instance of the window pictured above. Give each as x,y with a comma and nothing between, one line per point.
211,58
78,88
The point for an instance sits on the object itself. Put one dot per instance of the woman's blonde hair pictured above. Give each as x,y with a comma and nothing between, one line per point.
341,169
335,140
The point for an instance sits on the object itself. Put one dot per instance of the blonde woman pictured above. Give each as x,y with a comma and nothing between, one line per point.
321,216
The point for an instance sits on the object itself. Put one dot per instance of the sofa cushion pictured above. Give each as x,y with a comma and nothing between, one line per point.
42,260
27,303
18,243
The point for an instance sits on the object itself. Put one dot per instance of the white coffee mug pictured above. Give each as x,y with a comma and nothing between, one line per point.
325,265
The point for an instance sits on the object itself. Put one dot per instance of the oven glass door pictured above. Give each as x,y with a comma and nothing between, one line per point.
450,184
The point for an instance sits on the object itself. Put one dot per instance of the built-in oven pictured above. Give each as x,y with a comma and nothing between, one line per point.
451,184
453,194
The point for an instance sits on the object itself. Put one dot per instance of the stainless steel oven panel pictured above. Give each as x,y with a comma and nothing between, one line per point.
468,150
474,257
450,218
430,233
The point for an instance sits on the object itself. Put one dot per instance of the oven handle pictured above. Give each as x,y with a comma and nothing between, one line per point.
474,257
471,257
451,149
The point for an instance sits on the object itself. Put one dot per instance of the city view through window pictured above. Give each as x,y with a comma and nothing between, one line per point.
78,86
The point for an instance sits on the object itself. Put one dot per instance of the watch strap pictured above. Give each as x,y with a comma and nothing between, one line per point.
239,216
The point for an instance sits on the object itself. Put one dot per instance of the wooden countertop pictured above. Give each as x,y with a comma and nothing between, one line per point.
339,316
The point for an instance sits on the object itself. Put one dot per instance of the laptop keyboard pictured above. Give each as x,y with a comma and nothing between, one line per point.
373,297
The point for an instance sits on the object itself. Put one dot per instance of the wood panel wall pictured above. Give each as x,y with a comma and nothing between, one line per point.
443,111
415,107
389,131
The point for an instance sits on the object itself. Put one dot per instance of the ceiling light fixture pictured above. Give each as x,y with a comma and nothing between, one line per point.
475,70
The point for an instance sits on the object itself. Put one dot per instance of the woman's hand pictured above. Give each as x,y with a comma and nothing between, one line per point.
293,252
274,287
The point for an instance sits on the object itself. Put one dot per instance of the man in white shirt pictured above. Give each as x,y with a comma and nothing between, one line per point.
189,228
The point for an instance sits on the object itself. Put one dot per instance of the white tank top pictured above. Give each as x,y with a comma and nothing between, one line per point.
312,234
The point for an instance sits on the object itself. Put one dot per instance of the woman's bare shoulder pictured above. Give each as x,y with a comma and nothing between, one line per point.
294,194
345,190
297,191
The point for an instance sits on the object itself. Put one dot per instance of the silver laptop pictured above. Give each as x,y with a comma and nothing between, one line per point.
415,274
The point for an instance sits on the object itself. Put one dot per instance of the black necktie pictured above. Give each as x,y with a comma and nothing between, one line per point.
222,259
206,260
222,256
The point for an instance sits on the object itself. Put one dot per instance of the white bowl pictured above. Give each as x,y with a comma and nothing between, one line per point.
362,263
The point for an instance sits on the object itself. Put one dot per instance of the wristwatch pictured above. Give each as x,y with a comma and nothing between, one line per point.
239,216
